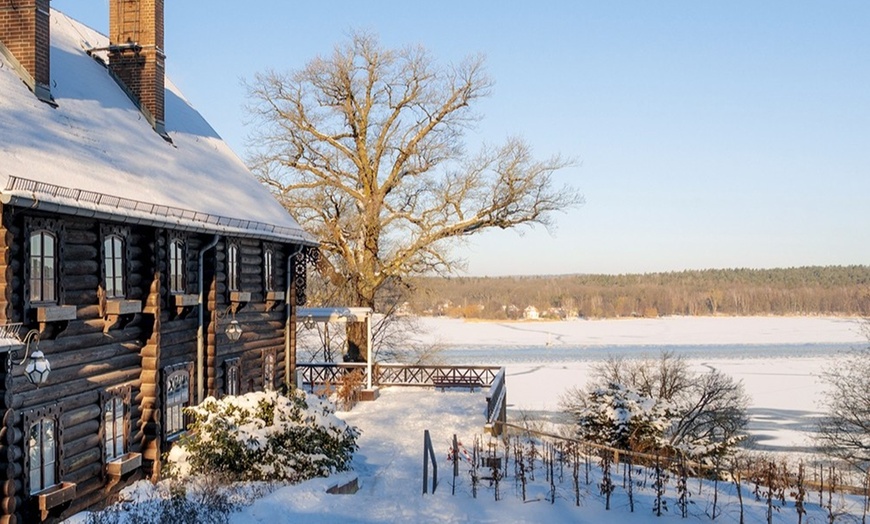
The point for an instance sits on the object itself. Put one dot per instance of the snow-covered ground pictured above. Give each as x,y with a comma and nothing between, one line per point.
389,462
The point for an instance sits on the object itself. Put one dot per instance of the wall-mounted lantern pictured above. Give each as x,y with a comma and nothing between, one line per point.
233,330
38,367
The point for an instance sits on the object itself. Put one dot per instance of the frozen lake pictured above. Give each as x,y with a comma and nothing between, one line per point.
778,360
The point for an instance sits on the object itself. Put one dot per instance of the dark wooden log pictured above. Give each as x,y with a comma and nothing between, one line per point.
8,505
80,236
85,282
90,489
75,462
81,268
77,341
74,252
7,487
98,358
74,417
68,384
82,438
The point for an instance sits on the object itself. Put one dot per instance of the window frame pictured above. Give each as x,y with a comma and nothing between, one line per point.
39,417
232,376
177,266
233,267
38,285
115,259
174,419
116,396
270,362
268,269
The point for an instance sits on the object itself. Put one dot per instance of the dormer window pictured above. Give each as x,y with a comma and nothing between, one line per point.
43,266
233,267
176,267
113,264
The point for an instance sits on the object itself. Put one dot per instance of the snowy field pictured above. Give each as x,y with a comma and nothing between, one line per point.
388,465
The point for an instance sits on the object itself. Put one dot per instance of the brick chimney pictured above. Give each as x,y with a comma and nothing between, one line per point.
136,54
25,41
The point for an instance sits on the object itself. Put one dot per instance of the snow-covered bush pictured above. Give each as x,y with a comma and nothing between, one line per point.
264,436
660,405
620,417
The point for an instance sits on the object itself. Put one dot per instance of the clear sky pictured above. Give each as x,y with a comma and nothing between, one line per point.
706,134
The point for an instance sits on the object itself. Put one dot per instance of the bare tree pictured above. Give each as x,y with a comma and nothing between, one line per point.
844,431
366,148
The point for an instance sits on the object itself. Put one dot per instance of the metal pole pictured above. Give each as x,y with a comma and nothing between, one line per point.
371,353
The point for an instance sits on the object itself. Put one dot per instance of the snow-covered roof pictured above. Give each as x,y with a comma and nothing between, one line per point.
95,154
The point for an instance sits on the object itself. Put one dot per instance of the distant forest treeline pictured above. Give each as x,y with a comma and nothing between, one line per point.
833,290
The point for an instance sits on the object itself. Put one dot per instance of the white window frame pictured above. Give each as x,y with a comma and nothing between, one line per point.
114,261
233,267
43,287
116,417
177,396
177,267
269,269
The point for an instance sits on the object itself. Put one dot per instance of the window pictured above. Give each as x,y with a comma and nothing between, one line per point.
233,267
115,416
176,267
269,371
177,391
269,270
232,376
43,267
42,454
113,266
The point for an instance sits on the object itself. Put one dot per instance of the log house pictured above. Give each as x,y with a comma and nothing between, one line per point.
131,237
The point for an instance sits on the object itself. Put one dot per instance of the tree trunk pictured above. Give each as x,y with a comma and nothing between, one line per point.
357,339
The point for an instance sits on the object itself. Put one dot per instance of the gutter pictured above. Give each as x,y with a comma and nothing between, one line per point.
200,335
33,202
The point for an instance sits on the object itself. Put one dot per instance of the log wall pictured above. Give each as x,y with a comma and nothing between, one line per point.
92,354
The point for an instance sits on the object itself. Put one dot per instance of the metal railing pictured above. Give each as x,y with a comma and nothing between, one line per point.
100,199
320,374
496,404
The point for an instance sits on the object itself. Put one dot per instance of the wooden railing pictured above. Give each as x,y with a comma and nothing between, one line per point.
314,375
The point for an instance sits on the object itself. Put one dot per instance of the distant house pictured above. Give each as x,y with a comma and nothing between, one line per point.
132,239
531,313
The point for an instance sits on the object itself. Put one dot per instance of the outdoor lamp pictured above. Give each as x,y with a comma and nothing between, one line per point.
234,330
38,367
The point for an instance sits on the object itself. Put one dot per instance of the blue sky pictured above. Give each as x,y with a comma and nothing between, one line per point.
706,134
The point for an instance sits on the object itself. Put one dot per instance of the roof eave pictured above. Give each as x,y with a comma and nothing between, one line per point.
178,224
